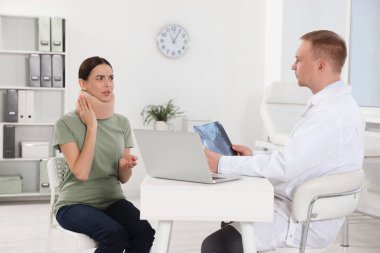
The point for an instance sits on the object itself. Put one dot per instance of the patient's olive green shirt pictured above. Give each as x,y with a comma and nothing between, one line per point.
102,187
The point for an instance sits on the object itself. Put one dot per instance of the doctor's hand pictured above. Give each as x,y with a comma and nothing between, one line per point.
212,159
242,150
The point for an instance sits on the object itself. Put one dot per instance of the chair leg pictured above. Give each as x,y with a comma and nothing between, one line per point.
344,233
48,249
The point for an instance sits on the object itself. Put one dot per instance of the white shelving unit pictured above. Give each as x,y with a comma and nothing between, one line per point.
19,38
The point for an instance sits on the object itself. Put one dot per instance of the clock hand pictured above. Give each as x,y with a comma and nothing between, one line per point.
177,35
173,40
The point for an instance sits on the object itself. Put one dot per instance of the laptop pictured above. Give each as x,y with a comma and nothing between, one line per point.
177,156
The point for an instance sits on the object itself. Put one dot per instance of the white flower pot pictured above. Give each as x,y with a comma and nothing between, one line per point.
161,126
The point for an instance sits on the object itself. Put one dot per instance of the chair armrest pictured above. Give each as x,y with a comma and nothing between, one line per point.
267,145
331,196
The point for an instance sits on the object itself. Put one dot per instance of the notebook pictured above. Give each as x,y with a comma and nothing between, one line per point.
177,156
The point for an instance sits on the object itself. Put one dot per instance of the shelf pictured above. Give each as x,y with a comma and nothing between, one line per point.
26,196
27,124
30,88
21,159
29,52
37,108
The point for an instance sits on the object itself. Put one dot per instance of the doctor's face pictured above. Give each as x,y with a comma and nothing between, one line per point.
305,66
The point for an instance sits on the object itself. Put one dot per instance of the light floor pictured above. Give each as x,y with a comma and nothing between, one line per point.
23,229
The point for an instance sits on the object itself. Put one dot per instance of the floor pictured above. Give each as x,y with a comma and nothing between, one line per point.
23,229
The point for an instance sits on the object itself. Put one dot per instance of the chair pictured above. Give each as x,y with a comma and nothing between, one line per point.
282,107
57,169
324,198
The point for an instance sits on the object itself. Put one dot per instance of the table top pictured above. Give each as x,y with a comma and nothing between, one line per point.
246,199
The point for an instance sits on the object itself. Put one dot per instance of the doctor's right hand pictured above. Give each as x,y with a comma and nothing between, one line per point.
242,150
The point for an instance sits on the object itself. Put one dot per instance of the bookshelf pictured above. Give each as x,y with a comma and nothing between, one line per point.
32,95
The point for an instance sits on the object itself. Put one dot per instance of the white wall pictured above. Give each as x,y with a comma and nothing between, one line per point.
302,16
236,48
221,77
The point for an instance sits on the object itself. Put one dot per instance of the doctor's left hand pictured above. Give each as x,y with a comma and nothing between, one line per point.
212,159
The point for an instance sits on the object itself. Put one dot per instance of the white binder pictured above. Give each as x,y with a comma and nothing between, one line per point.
34,70
46,70
57,71
44,34
26,106
56,34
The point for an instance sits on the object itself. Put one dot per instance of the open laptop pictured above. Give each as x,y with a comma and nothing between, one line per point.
177,156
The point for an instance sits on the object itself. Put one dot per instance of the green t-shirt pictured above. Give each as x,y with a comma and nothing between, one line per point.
103,186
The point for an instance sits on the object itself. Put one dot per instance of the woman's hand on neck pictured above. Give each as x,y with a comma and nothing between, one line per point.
86,113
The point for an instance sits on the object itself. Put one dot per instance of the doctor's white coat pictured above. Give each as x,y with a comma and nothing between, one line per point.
328,139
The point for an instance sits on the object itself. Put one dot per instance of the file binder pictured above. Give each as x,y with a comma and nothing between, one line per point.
26,106
57,71
44,34
11,110
44,180
56,34
46,70
9,145
1,140
34,70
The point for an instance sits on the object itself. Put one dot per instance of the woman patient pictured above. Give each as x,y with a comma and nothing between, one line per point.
96,144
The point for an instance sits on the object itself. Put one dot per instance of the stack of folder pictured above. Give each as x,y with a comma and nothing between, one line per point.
46,70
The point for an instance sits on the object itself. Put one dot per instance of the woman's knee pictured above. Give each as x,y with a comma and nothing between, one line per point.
146,232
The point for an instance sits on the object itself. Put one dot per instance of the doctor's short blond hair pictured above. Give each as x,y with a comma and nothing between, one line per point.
329,45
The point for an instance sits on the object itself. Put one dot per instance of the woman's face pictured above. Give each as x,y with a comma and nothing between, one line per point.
99,83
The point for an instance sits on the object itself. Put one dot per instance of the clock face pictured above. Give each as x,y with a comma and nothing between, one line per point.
173,41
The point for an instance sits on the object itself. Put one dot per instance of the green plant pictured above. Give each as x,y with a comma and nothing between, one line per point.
164,112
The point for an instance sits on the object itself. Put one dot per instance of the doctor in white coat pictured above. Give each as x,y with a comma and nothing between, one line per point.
328,139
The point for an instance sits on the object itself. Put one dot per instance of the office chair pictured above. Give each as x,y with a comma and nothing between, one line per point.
324,198
57,168
282,106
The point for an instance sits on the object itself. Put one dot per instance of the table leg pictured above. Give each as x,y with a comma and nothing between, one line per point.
248,236
162,240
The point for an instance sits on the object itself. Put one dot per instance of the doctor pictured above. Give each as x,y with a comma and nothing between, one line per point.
328,139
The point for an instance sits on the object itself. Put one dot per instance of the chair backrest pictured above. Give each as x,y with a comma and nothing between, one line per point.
57,169
330,196
282,106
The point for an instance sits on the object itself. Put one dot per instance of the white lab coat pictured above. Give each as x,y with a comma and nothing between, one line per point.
328,139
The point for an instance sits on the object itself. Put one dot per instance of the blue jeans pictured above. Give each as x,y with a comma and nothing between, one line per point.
117,228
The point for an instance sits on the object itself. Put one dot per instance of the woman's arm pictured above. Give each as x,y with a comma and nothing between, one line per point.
126,163
80,162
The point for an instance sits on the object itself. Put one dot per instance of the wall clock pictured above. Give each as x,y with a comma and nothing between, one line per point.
173,41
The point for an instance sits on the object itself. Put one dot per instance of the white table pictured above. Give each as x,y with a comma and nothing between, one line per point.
247,200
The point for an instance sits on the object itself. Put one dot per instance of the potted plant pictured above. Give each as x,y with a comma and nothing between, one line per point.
160,114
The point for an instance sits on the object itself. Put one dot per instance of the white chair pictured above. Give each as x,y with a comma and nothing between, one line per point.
57,168
324,198
282,107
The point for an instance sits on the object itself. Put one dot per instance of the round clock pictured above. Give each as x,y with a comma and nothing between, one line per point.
173,41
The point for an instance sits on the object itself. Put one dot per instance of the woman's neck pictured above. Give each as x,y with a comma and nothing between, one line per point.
103,110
